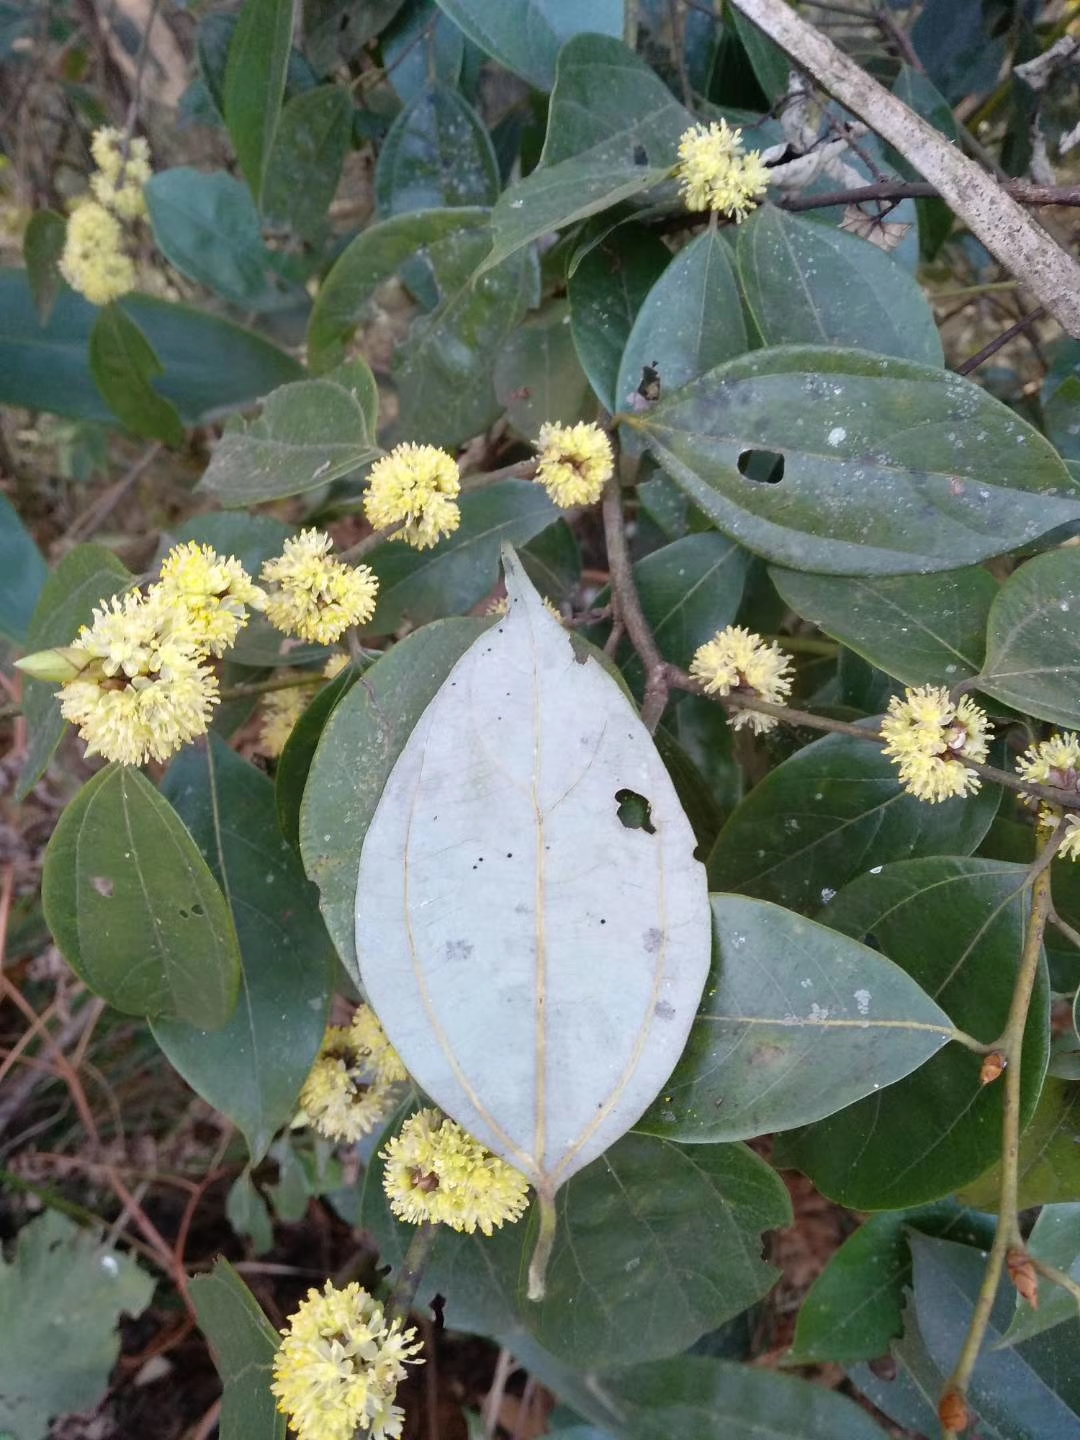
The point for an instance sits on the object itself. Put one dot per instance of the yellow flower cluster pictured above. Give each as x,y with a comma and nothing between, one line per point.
575,462
929,737
352,1085
95,260
738,662
312,594
281,709
339,1364
1056,762
139,686
716,174
436,1171
415,486
119,180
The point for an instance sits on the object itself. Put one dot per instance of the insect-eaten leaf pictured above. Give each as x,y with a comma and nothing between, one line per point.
535,949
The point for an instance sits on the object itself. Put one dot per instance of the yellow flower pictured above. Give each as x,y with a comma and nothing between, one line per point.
368,1038
436,1171
737,662
281,709
338,1367
1070,846
350,1089
1053,762
214,591
140,691
575,462
715,174
93,260
118,184
928,738
417,485
334,666
317,597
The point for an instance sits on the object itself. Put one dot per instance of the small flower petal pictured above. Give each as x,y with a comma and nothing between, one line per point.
415,486
575,462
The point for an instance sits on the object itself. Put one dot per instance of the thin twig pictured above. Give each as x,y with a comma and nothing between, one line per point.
1009,1044
411,1269
1023,191
1073,936
1057,1277
974,361
494,1398
627,604
91,520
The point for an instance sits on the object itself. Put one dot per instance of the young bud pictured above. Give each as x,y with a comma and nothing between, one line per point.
992,1067
55,666
1022,1274
953,1412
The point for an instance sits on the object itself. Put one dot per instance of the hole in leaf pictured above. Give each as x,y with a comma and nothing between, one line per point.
634,811
764,466
197,909
103,885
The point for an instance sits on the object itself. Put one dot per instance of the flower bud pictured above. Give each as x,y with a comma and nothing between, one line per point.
953,1412
992,1067
1023,1276
57,667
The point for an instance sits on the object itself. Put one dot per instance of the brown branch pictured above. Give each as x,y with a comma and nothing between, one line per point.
627,607
1000,341
1022,191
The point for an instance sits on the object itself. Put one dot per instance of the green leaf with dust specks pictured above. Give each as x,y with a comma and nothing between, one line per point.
134,908
796,1023
889,467
243,1343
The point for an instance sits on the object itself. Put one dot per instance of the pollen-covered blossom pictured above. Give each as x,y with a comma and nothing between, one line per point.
214,590
575,462
716,174
339,1364
436,1171
280,711
738,662
94,261
118,183
315,596
350,1089
1056,762
417,485
142,690
928,737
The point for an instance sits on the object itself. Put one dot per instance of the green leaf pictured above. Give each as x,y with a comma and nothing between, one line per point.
606,292
656,1245
694,1397
252,539
243,1343
956,926
133,907
43,244
422,44
537,376
922,629
608,107
310,146
210,365
1055,1240
855,1306
85,576
525,35
207,226
1061,417
524,753
1049,1159
23,573
443,369
829,813
123,363
436,153
888,467
795,1024
310,433
553,561
690,320
771,67
1012,1389
358,748
808,284
60,1299
422,585
252,1070
294,763
919,92
255,84
1032,647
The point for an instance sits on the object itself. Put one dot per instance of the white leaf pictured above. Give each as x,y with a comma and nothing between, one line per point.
536,961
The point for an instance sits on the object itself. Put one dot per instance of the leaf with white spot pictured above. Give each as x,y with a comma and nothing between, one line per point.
531,924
